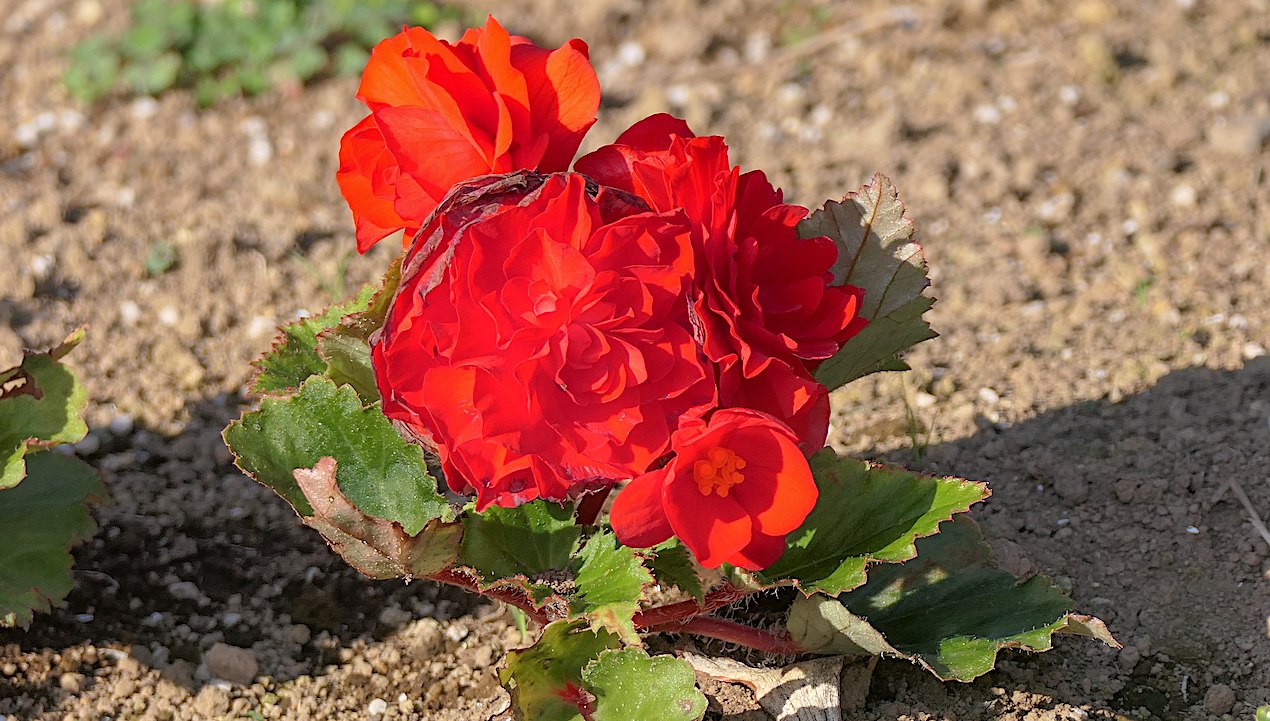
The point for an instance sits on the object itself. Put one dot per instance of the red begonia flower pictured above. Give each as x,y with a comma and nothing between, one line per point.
735,488
540,337
444,113
768,308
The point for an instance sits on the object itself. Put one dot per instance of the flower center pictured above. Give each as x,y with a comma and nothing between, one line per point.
718,471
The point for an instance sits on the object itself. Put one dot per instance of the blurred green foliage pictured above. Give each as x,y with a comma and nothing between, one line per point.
226,48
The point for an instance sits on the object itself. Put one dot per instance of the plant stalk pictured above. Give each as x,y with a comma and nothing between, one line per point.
722,629
682,617
725,595
508,594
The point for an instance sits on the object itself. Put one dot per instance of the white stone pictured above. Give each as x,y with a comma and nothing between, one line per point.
129,312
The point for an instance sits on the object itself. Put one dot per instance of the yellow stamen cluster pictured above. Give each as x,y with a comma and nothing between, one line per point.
718,471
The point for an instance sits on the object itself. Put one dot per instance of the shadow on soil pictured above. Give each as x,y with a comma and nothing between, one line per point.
192,553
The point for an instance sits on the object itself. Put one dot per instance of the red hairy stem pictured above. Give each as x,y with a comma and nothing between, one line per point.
507,594
722,629
678,613
591,504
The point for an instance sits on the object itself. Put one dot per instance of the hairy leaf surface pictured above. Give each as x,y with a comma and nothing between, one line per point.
876,252
949,610
866,513
382,474
41,520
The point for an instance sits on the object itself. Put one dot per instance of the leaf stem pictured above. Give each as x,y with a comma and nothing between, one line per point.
507,594
682,617
675,613
722,629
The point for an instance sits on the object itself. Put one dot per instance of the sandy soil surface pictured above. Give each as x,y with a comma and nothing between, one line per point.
1090,183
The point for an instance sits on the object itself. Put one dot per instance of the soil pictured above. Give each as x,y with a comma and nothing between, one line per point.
1090,184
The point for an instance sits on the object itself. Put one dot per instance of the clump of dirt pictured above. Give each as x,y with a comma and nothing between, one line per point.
1090,183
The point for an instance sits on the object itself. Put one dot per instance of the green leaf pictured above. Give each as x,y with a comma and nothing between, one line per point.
672,565
628,684
40,404
545,679
350,59
161,258
93,70
949,609
877,347
294,357
346,348
307,60
610,583
42,519
527,540
876,252
866,513
378,471
378,548
153,75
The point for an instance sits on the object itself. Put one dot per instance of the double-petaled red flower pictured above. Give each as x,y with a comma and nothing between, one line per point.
540,337
444,113
769,311
735,488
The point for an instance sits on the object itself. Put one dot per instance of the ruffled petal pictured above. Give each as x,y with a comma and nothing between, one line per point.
637,515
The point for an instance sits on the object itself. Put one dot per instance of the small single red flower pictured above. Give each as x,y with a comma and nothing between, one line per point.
443,113
765,297
735,488
540,337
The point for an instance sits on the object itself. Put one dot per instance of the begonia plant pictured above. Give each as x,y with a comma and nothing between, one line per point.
601,394
44,497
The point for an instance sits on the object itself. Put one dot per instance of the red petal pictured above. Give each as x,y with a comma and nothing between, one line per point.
387,78
563,98
779,490
432,151
638,516
763,551
654,133
364,157
714,528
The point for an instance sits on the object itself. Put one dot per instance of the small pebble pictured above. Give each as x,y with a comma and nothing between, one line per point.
71,682
631,53
1220,699
231,663
88,446
129,312
184,591
394,616
298,633
144,108
988,114
376,707
121,425
1184,196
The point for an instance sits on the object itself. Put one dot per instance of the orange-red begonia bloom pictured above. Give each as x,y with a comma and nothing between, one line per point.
444,113
540,338
735,488
765,297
